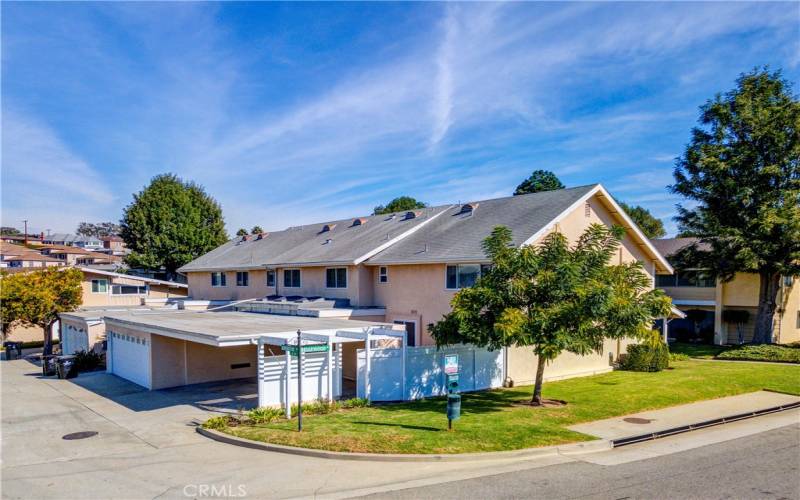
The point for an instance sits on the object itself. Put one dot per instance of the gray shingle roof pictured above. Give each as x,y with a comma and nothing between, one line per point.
670,246
455,236
309,245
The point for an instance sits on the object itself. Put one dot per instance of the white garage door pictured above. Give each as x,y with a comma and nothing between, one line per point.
74,340
130,357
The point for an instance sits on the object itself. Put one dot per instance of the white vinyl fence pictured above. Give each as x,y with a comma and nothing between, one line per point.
272,386
424,376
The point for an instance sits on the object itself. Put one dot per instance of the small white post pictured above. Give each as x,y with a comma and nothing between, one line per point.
664,328
403,363
288,392
261,369
330,370
367,366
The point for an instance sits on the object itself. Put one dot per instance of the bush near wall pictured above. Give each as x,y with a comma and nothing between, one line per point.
645,358
765,352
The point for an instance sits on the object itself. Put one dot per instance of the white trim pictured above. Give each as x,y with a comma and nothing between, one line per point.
601,191
401,236
694,302
129,276
382,275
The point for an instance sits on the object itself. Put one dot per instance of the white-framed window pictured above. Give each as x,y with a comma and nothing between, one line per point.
128,290
463,275
100,286
270,277
336,277
242,278
218,279
411,331
383,274
291,278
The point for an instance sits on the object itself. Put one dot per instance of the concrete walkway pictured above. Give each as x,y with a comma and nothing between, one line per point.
678,416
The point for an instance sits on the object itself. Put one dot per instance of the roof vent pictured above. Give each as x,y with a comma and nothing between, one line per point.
359,221
261,236
468,208
245,237
327,227
328,241
412,214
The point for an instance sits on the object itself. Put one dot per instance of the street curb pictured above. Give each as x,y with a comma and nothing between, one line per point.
616,443
566,449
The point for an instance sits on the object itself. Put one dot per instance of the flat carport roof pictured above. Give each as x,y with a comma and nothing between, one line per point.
232,328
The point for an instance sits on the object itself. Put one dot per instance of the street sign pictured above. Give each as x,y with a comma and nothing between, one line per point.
451,364
292,349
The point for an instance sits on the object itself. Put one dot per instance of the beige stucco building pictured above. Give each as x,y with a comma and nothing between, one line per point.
691,290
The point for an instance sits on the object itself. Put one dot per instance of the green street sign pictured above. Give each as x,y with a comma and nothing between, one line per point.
292,349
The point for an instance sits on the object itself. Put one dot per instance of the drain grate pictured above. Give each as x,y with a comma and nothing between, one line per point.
79,435
637,420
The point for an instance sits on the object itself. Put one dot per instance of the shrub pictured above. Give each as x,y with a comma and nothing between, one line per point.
646,358
264,415
764,352
679,356
217,423
355,403
86,361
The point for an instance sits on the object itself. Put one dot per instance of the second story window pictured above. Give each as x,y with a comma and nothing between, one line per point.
270,277
99,286
291,278
463,275
336,277
242,278
383,274
695,279
218,279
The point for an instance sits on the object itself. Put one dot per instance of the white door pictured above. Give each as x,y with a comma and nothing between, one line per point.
130,358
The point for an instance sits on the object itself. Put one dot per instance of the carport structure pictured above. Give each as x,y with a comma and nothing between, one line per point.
159,349
278,376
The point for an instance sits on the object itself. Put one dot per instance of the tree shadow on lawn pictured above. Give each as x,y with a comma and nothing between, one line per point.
404,426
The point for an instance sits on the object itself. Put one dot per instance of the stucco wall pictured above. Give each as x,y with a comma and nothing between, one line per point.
107,299
167,362
207,363
788,324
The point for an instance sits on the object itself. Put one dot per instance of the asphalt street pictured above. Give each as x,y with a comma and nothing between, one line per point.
761,466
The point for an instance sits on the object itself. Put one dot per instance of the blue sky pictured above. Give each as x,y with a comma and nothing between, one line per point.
295,113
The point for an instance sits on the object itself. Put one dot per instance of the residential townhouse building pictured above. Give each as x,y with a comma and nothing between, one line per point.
406,267
706,300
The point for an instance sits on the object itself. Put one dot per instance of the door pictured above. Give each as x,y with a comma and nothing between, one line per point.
411,331
130,358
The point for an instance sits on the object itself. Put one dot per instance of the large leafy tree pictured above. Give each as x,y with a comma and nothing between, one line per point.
10,231
539,180
99,229
553,297
35,299
651,226
741,171
169,223
399,204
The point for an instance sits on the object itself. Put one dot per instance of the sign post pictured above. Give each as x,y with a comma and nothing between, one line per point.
453,398
299,382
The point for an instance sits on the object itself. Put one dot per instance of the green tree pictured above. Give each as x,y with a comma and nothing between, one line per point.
741,170
241,232
651,226
35,299
10,231
256,230
99,229
553,297
169,223
539,180
399,204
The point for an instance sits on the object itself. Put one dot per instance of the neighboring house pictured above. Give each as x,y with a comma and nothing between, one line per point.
354,283
708,299
32,259
10,251
76,240
114,245
77,256
109,289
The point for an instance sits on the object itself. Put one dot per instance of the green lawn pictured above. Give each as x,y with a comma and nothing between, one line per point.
491,421
785,353
705,351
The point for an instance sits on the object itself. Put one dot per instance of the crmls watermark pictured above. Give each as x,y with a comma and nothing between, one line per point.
214,491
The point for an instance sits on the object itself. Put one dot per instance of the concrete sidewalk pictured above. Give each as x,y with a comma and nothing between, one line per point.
678,416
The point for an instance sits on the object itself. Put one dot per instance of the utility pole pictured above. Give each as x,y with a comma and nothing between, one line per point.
26,231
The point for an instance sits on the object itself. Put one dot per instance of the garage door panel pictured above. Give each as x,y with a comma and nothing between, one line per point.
130,357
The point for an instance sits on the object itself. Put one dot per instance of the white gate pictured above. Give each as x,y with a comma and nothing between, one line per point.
424,377
272,388
74,340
